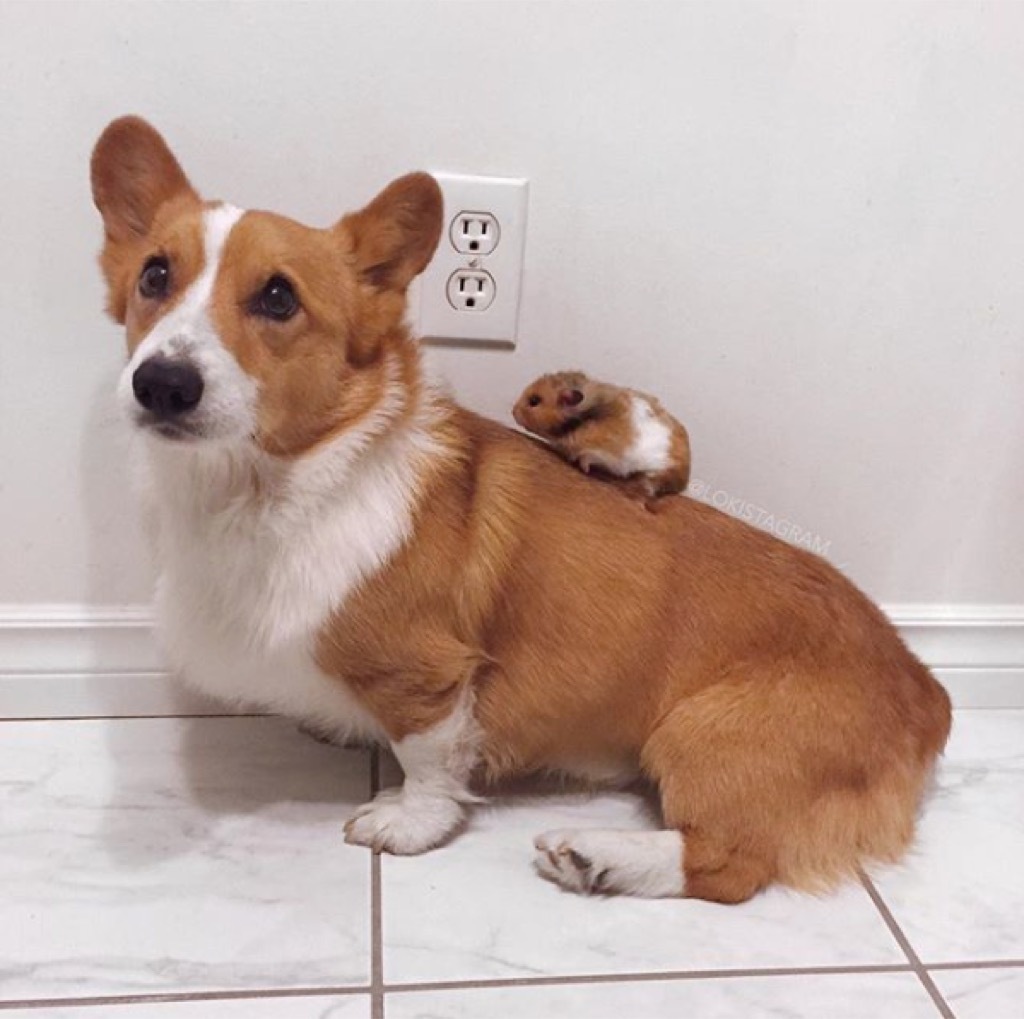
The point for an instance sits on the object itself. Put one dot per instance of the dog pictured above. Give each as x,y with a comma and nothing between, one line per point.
339,542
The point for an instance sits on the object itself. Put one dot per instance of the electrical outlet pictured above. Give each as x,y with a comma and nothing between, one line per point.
470,291
474,233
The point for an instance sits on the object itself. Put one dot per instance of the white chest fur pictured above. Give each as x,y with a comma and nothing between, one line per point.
255,555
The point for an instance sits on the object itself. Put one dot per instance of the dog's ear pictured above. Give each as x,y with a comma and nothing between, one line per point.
394,237
134,173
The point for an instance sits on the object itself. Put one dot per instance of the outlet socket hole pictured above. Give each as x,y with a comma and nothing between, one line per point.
470,302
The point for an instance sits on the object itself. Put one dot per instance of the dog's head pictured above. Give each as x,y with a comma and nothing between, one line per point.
247,326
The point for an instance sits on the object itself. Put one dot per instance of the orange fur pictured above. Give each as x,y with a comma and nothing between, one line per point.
788,729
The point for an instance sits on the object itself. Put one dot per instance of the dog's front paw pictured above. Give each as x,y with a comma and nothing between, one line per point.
403,822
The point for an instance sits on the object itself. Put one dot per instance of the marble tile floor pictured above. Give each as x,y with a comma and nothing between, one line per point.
194,868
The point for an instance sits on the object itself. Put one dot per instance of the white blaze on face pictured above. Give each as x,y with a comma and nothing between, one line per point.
227,409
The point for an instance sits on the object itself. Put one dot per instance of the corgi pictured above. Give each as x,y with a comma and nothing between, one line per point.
340,542
596,424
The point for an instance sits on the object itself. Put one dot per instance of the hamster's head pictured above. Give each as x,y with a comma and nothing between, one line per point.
552,401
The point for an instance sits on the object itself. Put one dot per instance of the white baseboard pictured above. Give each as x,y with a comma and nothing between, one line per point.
100,695
977,651
60,661
70,661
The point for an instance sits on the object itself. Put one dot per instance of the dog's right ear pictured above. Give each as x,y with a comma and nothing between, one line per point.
133,174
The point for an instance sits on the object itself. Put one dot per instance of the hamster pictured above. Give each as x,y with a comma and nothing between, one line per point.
621,431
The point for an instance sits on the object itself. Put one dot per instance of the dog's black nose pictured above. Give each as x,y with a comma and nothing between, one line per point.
167,388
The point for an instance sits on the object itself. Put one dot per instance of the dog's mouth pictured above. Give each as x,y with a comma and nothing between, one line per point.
172,431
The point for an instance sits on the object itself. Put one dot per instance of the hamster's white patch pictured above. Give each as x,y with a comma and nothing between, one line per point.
652,439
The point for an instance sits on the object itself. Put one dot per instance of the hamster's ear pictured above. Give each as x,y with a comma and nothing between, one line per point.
570,398
394,237
133,174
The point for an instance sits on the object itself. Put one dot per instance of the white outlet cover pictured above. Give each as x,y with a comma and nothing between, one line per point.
504,198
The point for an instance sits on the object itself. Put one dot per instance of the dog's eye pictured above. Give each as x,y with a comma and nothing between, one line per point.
534,400
155,278
277,300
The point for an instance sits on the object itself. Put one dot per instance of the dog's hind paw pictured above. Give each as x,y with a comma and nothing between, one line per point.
604,862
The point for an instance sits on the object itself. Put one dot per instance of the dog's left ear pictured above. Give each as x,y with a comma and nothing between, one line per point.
394,237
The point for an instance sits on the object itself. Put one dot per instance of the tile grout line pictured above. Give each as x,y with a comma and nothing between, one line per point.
445,985
987,964
496,982
376,919
912,957
178,997
644,978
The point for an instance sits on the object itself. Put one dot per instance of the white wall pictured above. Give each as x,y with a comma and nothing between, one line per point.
800,224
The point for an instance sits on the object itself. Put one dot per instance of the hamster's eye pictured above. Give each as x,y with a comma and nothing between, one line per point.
534,400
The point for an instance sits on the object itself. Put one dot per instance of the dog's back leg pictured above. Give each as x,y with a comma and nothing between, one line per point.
649,864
